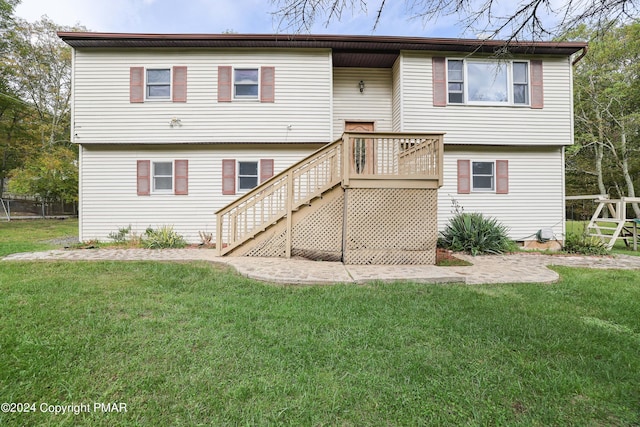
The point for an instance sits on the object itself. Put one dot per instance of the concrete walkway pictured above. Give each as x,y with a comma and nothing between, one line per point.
516,268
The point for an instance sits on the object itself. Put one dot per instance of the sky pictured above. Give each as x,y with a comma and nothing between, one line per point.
216,16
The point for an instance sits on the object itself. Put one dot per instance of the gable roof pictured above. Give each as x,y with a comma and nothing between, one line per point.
347,50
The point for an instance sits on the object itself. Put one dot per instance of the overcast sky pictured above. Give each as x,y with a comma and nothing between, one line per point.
216,16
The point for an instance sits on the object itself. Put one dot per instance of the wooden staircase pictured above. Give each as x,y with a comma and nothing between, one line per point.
356,160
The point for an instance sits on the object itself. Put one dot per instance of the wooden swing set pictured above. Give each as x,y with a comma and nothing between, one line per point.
610,222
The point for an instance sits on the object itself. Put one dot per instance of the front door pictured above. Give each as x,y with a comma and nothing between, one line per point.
362,151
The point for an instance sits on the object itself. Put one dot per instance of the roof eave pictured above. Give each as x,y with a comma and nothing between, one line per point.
344,42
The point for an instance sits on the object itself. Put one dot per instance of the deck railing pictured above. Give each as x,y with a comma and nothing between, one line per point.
279,196
381,160
369,160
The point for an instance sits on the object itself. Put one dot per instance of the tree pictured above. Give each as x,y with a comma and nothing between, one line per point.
42,78
6,13
35,80
607,110
51,176
11,108
510,20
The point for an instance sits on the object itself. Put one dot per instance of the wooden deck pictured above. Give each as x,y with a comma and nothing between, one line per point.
400,161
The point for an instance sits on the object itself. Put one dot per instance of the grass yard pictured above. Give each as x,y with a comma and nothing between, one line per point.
34,234
193,344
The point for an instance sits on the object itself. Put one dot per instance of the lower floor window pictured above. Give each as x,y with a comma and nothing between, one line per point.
247,175
162,176
483,176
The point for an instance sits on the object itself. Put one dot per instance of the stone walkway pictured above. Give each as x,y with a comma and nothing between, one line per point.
516,268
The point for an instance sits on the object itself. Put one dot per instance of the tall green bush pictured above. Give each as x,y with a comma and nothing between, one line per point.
476,234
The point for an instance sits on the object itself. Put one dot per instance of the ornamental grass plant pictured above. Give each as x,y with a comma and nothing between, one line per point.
476,234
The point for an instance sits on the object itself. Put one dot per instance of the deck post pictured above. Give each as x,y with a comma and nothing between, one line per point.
289,207
219,220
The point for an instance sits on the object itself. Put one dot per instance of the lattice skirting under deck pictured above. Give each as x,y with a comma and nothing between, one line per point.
383,226
390,226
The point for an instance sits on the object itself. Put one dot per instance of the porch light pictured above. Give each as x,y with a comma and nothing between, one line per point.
361,84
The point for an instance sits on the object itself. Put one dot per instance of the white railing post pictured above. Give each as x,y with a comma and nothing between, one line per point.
289,205
219,224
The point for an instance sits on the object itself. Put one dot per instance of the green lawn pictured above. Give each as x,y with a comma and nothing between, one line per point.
34,235
194,344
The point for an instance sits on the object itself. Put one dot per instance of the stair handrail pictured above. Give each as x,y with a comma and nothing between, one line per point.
331,165
271,186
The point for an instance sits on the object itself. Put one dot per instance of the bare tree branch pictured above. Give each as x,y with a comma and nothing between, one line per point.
532,19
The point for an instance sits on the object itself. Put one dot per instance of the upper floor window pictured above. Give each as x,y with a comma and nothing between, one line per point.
245,83
151,84
159,83
488,82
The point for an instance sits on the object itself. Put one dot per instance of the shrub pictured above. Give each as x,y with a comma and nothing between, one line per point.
584,244
120,236
163,237
476,234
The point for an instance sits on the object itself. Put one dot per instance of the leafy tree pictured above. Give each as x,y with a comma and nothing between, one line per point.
42,78
11,108
511,19
607,111
7,8
35,72
50,176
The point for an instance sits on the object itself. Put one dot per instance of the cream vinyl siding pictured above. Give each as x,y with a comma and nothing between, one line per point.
373,105
103,114
492,125
536,189
109,200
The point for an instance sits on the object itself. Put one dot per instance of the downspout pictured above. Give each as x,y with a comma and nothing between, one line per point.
584,52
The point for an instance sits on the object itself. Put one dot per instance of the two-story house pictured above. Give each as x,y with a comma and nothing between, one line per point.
172,128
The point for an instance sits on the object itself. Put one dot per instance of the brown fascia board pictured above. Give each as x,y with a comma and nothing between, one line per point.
336,42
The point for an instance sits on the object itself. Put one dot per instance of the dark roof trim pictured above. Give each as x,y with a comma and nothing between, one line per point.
336,42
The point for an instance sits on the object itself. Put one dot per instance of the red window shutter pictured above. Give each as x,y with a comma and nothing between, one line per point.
144,177
502,176
537,86
464,176
224,83
228,176
267,84
181,177
266,169
180,84
439,72
136,84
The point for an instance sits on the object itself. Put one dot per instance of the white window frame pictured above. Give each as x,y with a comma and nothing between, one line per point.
510,83
233,84
527,83
238,176
154,176
493,177
147,84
